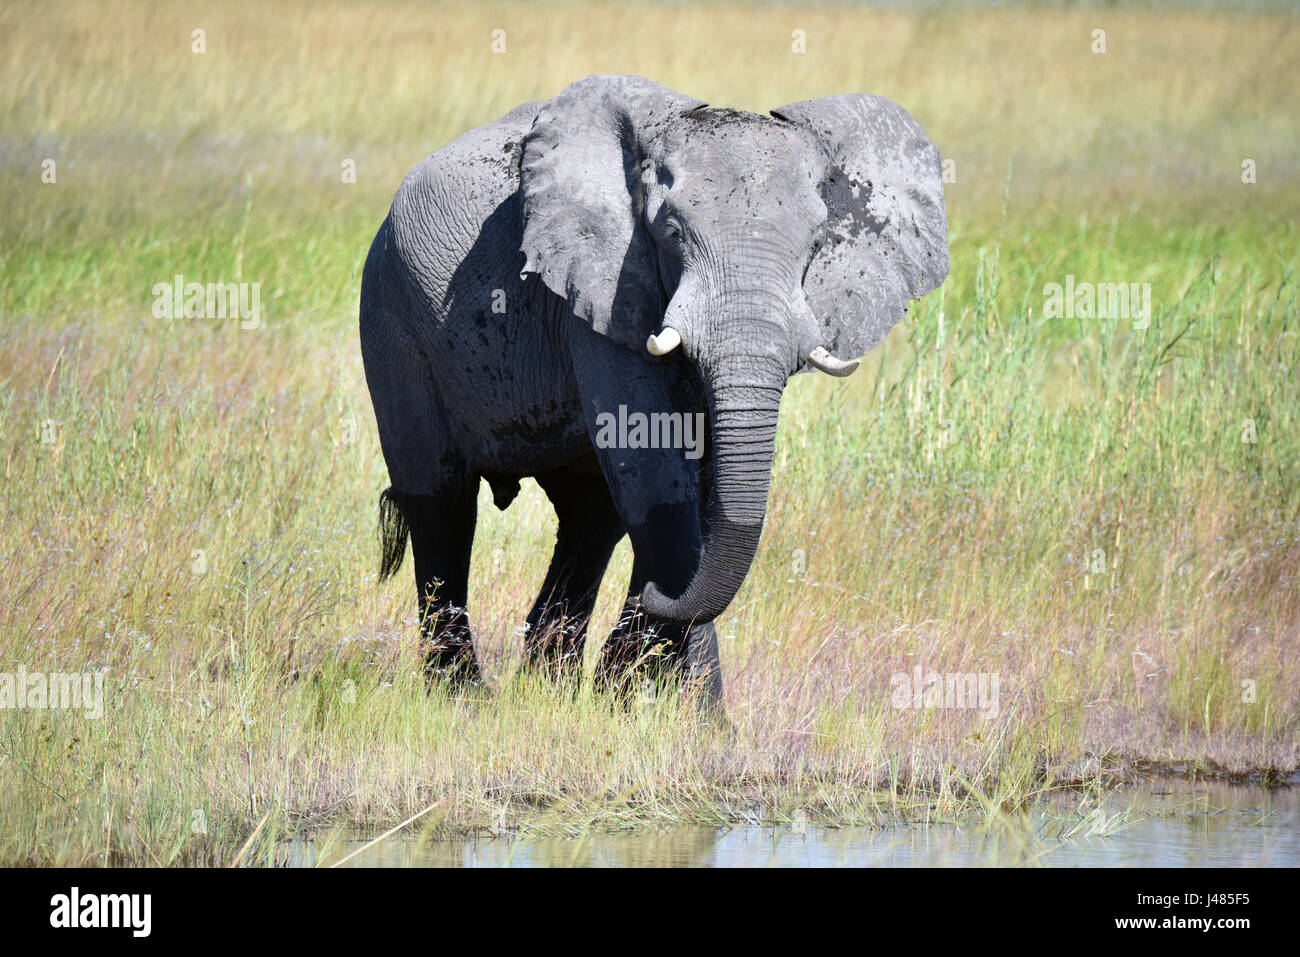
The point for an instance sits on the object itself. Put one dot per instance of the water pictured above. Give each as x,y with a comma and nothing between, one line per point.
1154,824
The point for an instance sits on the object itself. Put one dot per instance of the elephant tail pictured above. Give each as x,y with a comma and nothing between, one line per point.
393,533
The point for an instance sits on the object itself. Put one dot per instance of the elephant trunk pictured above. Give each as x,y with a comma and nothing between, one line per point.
743,416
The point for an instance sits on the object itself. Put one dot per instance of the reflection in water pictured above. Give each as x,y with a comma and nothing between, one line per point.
1154,824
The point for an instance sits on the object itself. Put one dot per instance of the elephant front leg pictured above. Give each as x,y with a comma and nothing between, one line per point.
646,417
644,652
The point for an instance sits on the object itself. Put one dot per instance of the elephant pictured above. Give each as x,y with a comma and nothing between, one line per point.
626,249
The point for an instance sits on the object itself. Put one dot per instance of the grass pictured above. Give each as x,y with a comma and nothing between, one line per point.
1073,505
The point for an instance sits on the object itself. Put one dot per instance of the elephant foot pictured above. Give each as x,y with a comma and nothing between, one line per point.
452,665
635,667
637,672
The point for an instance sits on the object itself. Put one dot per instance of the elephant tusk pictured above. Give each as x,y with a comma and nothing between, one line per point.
819,358
665,342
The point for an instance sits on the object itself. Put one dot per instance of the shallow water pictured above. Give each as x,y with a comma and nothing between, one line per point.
1162,823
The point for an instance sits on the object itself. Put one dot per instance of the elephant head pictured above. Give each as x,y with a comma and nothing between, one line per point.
751,247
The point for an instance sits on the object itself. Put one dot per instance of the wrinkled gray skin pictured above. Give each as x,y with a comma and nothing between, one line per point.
508,297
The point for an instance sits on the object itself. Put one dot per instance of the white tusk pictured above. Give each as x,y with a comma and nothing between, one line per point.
665,342
819,358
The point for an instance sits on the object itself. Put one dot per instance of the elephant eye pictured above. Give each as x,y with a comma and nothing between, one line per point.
672,228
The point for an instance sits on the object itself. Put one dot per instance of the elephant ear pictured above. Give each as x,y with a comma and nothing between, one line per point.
581,176
886,237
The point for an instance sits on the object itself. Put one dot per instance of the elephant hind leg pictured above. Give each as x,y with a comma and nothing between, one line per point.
442,533
589,528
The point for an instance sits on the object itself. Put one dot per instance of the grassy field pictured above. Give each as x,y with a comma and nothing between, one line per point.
1103,516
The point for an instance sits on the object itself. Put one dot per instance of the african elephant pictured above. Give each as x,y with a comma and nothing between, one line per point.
625,249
